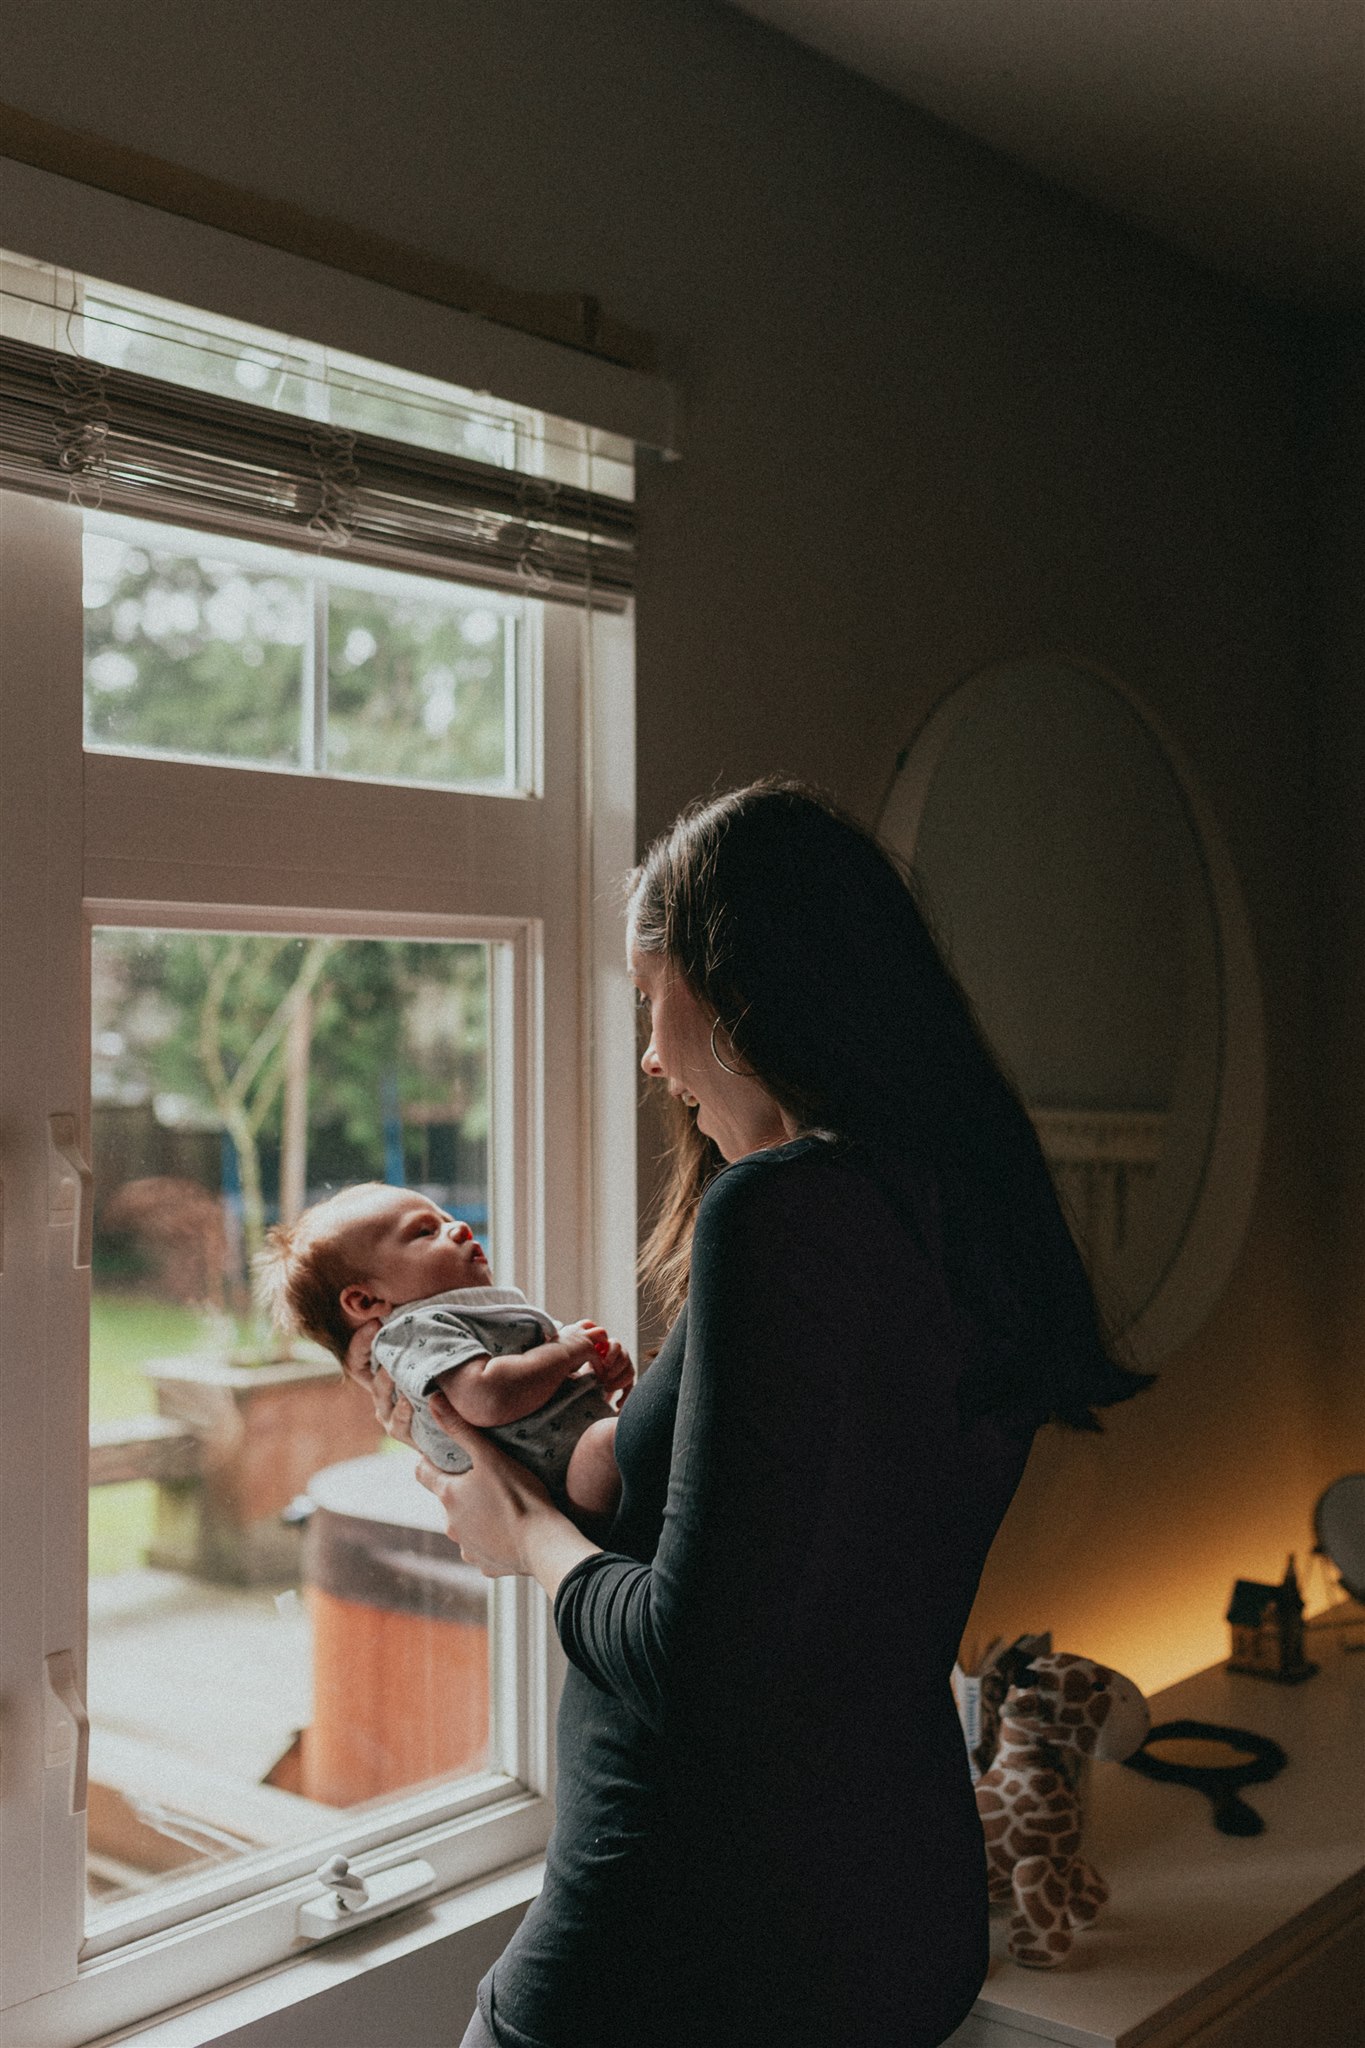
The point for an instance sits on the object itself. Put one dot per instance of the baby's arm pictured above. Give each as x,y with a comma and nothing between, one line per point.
487,1391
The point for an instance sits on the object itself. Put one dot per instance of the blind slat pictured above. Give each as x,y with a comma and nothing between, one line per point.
130,443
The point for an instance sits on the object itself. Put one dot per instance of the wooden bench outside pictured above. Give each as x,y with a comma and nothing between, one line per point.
143,1447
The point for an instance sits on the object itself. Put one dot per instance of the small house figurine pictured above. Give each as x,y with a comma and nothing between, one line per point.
1267,1630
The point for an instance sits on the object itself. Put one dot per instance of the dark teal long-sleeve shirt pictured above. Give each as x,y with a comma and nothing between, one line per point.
766,1836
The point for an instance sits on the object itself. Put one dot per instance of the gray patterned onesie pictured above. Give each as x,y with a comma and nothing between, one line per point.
423,1339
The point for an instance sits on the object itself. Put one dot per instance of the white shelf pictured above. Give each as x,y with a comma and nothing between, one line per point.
1209,1938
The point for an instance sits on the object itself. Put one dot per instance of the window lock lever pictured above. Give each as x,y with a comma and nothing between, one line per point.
351,1900
66,1726
73,1174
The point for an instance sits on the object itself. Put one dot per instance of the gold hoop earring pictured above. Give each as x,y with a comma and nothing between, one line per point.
738,1072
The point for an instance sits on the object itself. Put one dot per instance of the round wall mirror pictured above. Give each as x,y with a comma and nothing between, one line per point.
1071,873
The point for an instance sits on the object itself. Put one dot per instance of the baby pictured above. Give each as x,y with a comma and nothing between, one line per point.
375,1253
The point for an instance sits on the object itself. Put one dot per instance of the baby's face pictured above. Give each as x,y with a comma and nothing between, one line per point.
405,1248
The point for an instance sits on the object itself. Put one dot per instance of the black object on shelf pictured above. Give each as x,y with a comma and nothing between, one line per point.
1221,1784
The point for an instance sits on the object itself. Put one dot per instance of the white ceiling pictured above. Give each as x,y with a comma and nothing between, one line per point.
1234,129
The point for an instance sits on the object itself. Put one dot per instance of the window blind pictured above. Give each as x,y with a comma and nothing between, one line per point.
103,436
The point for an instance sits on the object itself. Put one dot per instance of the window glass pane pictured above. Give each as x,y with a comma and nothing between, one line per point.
279,1629
225,650
193,645
421,679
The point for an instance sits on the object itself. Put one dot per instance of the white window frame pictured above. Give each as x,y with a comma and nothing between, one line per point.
107,838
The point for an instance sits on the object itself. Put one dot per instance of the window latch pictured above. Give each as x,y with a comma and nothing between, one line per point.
66,1725
351,1900
74,1167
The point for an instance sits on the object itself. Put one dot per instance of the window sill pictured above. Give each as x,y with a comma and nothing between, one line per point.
417,1971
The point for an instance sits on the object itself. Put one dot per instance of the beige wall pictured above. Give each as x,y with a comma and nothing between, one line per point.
1335,422
934,413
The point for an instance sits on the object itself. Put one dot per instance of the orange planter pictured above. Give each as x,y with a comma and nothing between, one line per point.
397,1699
400,1638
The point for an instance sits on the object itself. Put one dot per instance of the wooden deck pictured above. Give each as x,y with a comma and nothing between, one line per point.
195,1691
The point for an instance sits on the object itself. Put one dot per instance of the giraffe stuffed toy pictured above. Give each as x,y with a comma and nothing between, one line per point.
1059,1711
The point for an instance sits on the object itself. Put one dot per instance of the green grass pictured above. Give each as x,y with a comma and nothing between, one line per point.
121,1519
125,1331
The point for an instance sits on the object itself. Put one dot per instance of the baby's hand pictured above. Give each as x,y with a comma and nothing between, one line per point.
611,1364
584,1342
615,1372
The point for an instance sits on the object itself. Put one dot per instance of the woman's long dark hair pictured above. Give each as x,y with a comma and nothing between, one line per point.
789,920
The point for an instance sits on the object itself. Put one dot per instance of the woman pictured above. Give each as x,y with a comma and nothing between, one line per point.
766,1836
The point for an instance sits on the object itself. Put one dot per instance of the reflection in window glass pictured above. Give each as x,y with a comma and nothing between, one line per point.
229,650
278,1626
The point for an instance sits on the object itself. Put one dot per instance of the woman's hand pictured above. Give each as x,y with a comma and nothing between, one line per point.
499,1513
392,1410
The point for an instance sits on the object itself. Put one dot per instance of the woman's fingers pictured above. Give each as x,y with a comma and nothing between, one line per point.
489,1508
392,1410
356,1363
399,1424
446,1487
452,1422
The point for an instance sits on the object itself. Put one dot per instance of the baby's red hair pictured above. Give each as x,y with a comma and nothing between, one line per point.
305,1265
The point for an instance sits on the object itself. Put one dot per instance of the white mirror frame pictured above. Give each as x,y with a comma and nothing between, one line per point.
1204,1260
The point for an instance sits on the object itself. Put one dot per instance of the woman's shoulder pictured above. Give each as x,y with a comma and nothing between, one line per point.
806,1175
773,1166
812,1207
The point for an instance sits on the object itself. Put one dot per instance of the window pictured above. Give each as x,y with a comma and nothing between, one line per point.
222,649
310,787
